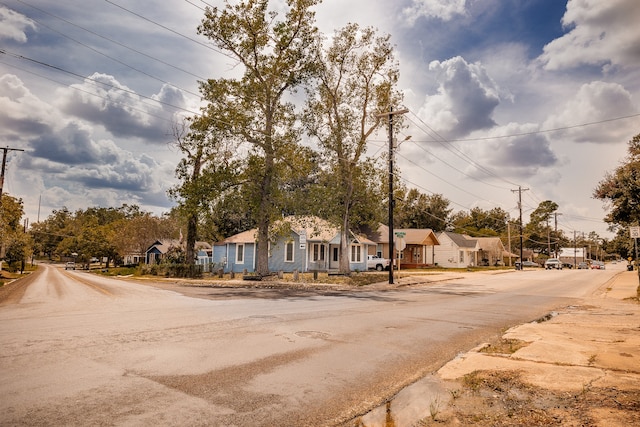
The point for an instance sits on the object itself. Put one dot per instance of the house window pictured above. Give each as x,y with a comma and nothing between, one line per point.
336,255
379,248
318,252
356,253
461,256
288,252
240,254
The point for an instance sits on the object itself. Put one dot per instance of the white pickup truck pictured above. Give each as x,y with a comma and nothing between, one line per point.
377,263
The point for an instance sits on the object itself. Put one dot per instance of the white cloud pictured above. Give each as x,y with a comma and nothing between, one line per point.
466,98
23,114
441,9
14,26
601,33
102,99
521,156
594,102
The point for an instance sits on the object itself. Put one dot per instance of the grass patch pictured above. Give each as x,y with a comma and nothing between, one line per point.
504,346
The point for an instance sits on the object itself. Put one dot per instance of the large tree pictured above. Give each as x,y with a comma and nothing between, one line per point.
419,210
274,57
481,223
205,172
620,189
14,243
356,75
538,231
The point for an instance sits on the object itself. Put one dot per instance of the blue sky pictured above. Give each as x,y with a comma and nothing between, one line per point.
541,94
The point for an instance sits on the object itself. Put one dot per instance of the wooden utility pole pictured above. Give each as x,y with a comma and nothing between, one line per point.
4,163
520,190
556,248
390,114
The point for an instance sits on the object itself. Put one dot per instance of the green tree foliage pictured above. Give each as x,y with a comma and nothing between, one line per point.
205,172
419,210
275,58
355,77
539,232
16,246
620,189
48,234
100,232
481,223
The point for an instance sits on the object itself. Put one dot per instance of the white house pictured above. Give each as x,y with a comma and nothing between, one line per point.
455,250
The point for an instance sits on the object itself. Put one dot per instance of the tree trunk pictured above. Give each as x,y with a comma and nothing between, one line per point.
264,215
345,255
192,221
344,265
192,229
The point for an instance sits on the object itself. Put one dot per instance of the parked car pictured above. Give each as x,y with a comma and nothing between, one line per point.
70,265
553,263
530,264
377,263
567,265
583,266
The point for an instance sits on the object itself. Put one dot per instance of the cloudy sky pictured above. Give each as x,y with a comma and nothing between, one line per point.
538,94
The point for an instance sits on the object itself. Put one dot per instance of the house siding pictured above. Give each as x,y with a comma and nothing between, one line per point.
448,254
277,255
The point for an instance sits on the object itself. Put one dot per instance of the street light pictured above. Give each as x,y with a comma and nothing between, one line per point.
390,114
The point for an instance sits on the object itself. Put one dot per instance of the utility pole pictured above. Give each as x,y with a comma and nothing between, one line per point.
549,238
390,114
575,249
556,215
509,240
4,163
520,190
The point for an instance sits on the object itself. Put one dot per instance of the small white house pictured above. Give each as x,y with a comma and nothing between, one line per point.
456,250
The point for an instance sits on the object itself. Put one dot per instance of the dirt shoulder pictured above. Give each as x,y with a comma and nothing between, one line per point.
577,367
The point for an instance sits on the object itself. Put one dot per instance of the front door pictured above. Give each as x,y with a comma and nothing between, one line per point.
334,260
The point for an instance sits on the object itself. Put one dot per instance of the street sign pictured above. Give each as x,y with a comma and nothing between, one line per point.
400,244
634,232
400,234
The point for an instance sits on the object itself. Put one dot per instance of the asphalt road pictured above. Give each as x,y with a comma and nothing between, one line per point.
76,349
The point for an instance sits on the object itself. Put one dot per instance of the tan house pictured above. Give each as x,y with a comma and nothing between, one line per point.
418,242
460,250
492,251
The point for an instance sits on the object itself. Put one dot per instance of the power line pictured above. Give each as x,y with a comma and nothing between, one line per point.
488,138
108,39
447,144
170,30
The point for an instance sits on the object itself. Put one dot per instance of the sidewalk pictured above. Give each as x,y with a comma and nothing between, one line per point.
592,347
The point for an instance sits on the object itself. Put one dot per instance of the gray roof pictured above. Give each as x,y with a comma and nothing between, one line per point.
462,240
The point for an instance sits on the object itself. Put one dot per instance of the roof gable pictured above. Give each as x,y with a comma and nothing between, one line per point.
461,240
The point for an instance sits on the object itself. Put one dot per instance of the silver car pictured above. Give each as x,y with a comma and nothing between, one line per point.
553,263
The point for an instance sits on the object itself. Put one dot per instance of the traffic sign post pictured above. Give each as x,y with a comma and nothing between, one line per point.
400,245
634,232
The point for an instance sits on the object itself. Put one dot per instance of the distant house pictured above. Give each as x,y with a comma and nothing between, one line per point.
492,251
159,249
303,243
133,258
456,250
419,243
460,250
